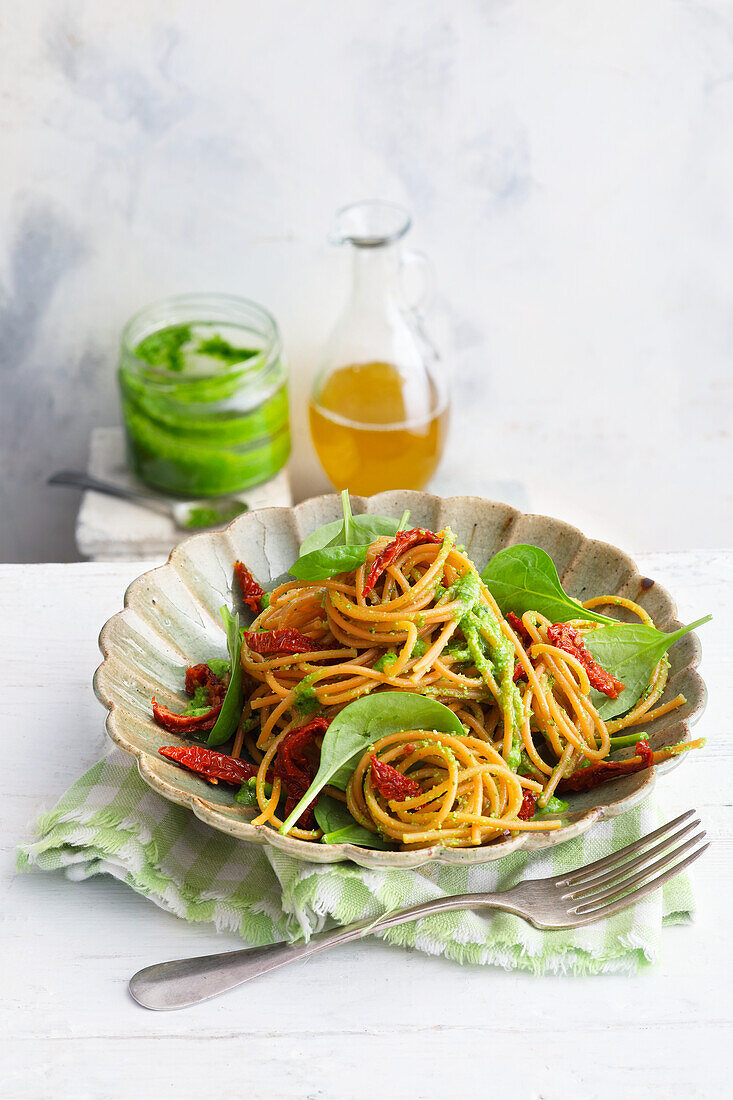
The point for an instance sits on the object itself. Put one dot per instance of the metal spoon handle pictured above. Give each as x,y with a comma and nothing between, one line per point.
81,480
185,982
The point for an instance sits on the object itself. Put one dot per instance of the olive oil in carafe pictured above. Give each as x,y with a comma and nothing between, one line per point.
379,402
372,431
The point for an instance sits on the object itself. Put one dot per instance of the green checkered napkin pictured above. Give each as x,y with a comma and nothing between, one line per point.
111,822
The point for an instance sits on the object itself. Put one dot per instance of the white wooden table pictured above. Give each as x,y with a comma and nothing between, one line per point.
367,1020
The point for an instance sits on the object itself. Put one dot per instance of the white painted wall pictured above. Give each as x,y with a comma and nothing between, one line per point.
569,167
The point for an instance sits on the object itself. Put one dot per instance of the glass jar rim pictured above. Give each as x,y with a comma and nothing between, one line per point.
371,223
204,308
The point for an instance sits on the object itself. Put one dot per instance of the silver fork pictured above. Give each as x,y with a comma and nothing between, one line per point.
587,894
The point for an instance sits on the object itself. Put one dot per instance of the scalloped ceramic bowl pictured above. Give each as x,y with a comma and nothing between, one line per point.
171,618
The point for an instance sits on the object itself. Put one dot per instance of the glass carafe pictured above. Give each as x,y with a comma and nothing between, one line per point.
379,404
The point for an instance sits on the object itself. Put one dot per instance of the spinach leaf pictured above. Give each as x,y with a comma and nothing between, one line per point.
362,529
361,723
319,565
339,826
630,652
231,710
346,550
524,578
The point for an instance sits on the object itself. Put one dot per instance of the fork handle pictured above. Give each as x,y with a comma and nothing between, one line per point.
184,982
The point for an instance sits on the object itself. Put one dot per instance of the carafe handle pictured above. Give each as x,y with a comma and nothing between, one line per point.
415,261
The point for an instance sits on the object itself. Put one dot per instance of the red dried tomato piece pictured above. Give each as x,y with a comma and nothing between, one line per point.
294,768
270,642
185,723
585,779
525,638
401,542
569,640
519,628
210,764
202,676
644,750
252,591
391,783
527,809
196,676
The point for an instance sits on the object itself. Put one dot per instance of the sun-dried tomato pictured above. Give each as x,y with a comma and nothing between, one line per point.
185,723
210,764
270,642
252,591
294,768
644,750
526,810
202,676
196,676
519,628
585,779
569,640
391,783
525,638
401,542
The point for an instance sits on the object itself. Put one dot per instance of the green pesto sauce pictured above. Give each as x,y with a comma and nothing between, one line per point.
188,430
305,695
216,347
419,649
382,663
199,702
172,348
247,793
554,806
211,516
476,618
467,589
164,348
220,667
525,766
459,653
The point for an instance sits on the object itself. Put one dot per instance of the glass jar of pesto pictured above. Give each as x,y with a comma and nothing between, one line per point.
204,393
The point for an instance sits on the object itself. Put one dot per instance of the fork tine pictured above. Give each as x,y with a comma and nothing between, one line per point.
631,849
647,888
592,884
590,904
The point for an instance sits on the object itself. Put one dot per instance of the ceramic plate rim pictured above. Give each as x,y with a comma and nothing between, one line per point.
207,811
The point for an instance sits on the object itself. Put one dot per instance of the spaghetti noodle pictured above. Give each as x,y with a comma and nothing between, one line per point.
412,617
428,625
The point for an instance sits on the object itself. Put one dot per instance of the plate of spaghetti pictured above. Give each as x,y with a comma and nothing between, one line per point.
400,679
